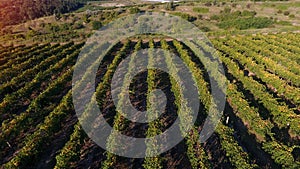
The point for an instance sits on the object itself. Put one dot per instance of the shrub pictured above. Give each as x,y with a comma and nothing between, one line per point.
286,13
134,10
30,34
96,25
151,6
43,24
205,29
200,16
86,18
185,16
248,6
236,14
215,17
296,153
65,27
78,26
292,16
226,10
279,11
207,4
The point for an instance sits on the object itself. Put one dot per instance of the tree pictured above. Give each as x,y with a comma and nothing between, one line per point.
170,6
18,11
57,15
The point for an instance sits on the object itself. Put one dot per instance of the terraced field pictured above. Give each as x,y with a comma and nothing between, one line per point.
260,127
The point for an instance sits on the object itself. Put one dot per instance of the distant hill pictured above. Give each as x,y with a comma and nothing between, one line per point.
17,11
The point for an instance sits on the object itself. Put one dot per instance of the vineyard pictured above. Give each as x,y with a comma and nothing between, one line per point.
260,127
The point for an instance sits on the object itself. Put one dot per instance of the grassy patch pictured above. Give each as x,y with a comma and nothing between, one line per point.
241,20
246,23
284,23
185,16
201,10
281,6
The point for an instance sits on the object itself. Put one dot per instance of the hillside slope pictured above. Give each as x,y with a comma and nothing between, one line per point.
17,11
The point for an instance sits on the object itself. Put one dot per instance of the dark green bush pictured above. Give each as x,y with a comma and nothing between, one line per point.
78,26
286,13
96,25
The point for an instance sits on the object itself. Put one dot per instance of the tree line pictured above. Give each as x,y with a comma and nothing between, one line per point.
18,11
